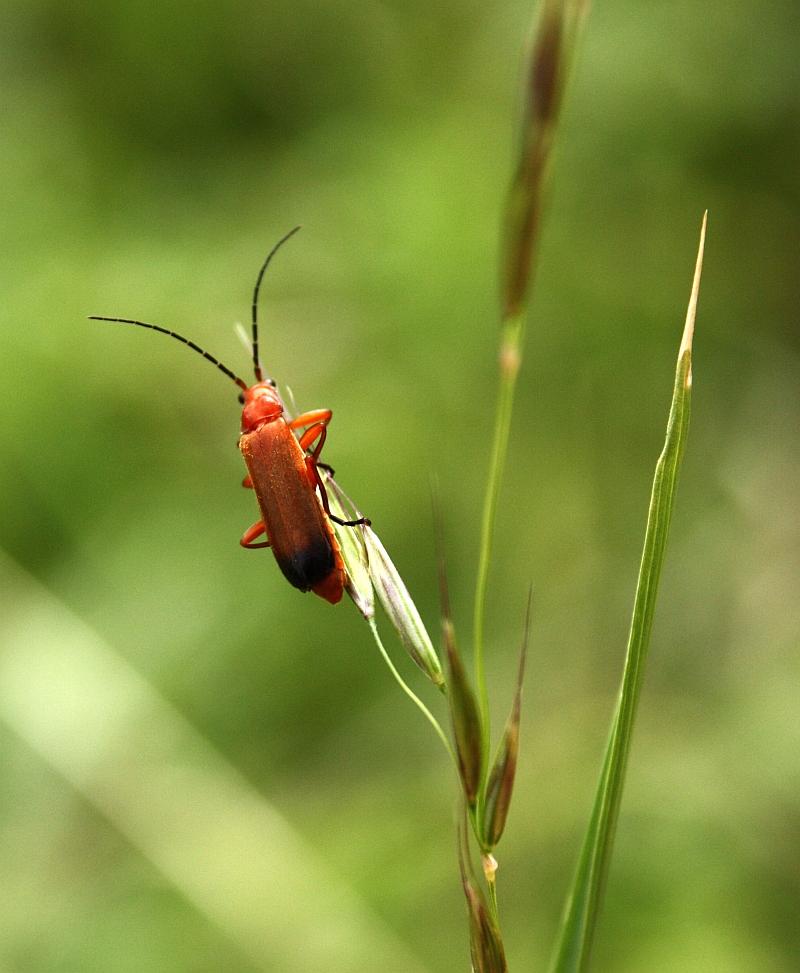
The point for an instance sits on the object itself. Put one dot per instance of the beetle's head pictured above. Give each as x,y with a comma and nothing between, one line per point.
261,404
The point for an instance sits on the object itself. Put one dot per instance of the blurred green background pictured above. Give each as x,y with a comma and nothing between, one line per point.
205,770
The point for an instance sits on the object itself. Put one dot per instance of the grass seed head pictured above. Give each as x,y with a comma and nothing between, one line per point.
399,606
353,549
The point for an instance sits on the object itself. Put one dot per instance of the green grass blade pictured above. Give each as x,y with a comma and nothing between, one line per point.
583,905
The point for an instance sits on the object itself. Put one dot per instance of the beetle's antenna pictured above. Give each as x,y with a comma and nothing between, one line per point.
173,334
256,363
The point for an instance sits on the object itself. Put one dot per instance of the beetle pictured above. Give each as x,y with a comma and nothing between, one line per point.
282,470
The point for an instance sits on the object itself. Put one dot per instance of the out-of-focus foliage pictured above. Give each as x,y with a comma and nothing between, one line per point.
150,156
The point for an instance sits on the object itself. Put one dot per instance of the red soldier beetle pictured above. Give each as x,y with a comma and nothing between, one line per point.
283,471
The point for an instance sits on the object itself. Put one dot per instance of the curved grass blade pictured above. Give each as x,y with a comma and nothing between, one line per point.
583,905
192,815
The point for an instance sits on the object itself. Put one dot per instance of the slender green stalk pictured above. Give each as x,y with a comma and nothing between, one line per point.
411,694
585,897
553,42
510,359
492,887
490,874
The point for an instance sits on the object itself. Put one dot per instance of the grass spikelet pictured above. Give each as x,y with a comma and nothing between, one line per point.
500,785
353,548
399,606
464,715
465,718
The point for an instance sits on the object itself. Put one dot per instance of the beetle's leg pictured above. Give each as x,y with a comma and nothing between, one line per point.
361,522
317,431
251,533
317,423
313,472
311,418
247,482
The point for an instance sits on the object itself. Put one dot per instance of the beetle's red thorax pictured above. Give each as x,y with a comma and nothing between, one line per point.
262,404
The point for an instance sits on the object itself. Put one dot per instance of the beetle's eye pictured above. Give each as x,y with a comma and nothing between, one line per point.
241,398
273,383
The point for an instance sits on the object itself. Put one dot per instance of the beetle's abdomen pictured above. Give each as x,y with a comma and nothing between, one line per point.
299,533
